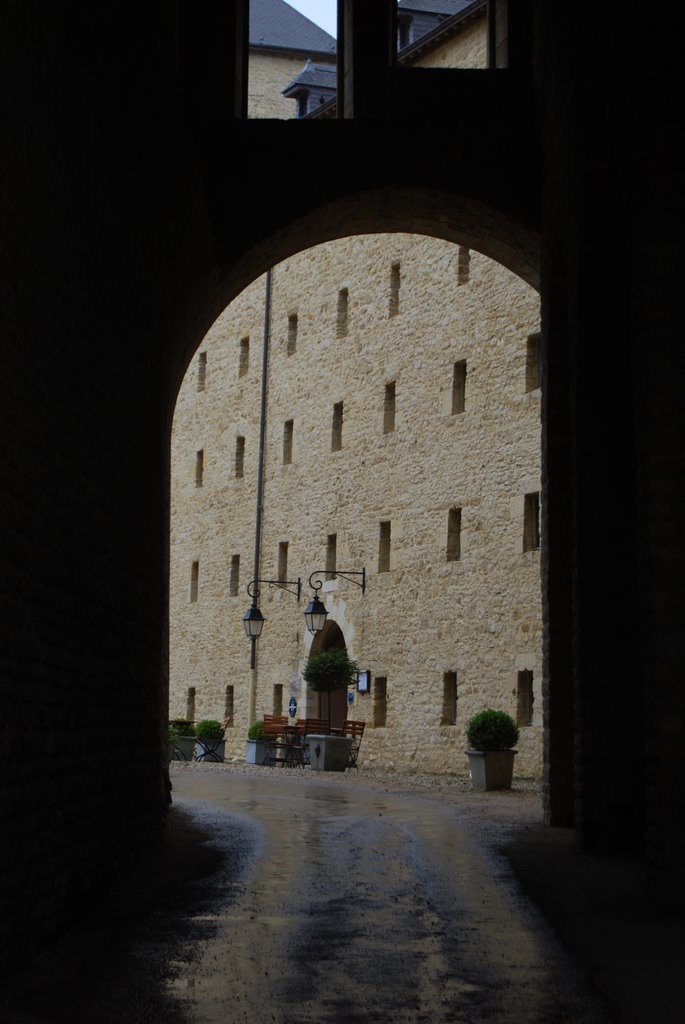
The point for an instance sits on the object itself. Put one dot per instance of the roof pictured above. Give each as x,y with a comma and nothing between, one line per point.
319,76
275,25
444,7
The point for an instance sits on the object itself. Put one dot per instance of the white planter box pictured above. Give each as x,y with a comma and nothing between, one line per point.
256,752
329,753
491,769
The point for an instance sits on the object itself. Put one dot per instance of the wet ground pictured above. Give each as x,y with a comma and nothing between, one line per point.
286,898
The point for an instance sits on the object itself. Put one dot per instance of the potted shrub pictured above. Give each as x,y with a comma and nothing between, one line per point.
210,741
325,672
181,740
257,748
491,736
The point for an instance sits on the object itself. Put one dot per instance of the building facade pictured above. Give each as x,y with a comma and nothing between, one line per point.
411,452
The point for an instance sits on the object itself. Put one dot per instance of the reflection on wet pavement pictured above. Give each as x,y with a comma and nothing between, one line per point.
352,906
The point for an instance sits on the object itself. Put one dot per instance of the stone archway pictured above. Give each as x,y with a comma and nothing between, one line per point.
329,639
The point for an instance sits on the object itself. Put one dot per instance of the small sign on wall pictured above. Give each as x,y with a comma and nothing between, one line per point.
292,707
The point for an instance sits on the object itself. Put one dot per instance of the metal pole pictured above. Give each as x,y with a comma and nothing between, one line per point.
262,442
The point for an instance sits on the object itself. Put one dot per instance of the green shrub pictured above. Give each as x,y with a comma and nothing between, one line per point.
255,731
182,727
492,730
209,730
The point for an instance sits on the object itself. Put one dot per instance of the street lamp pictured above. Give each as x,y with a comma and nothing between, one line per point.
253,620
315,614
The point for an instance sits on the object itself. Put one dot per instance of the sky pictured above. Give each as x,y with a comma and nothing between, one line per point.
323,12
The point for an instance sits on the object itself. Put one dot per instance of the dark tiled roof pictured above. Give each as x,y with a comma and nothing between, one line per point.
314,75
276,25
444,7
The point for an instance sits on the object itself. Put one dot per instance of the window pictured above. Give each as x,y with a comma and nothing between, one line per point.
229,706
331,555
449,699
199,468
287,442
336,435
244,357
194,580
278,699
283,560
343,308
463,265
201,371
533,363
524,698
531,522
454,535
292,334
384,547
389,409
459,387
234,576
394,303
403,32
190,704
380,701
239,457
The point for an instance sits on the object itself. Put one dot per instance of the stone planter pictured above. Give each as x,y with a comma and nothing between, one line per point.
256,752
210,750
329,753
491,769
183,749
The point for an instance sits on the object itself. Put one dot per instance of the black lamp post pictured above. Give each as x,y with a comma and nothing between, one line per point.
253,620
315,614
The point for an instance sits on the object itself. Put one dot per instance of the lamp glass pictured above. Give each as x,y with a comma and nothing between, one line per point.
253,621
315,616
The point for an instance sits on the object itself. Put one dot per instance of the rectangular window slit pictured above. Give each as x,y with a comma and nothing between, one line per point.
244,357
394,302
342,314
336,434
278,699
199,468
449,698
454,535
229,705
283,560
459,387
524,698
292,334
201,371
384,547
463,265
287,442
239,457
380,701
531,522
234,576
331,555
194,580
190,704
533,363
389,409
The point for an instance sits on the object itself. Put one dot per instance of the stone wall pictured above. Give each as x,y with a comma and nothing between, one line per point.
477,615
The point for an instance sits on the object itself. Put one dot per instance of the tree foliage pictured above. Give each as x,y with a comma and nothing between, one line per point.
329,670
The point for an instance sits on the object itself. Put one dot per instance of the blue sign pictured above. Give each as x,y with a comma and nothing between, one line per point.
292,707
350,697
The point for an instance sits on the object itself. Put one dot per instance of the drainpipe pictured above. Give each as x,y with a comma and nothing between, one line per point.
252,709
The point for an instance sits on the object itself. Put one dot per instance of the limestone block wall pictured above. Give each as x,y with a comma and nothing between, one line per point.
350,319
